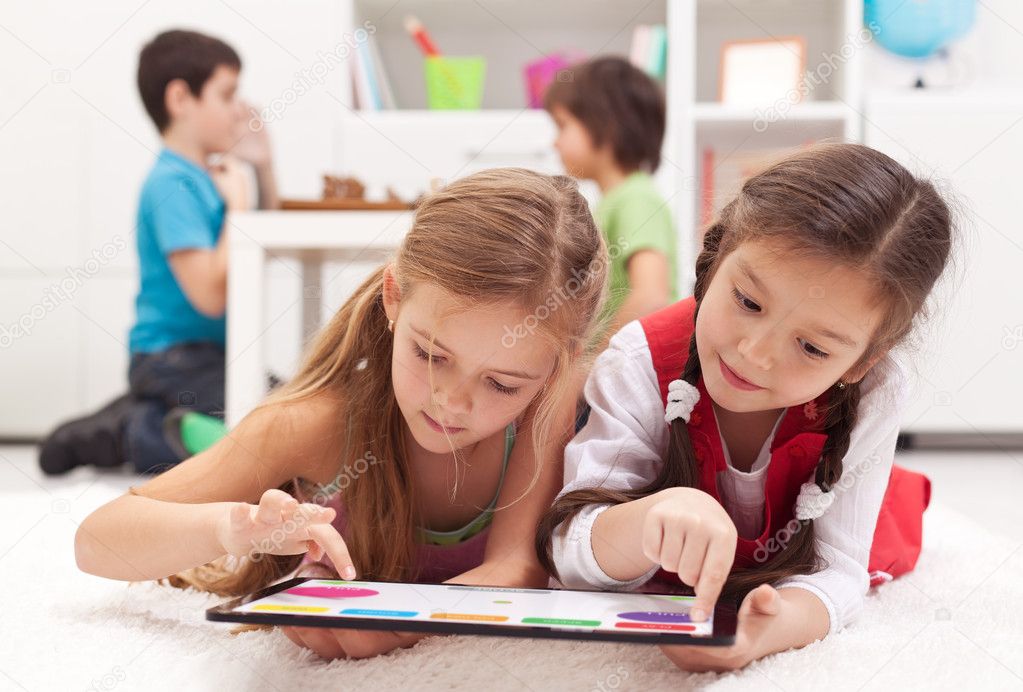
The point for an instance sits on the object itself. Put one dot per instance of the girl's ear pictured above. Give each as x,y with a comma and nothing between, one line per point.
859,373
392,293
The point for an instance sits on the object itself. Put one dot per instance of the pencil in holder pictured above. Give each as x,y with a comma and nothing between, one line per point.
454,83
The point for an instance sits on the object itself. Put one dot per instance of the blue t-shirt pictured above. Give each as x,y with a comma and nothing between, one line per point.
179,208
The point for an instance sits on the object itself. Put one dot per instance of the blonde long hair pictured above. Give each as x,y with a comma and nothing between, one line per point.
498,236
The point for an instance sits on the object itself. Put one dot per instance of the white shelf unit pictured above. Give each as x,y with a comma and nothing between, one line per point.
828,110
813,111
507,33
969,361
406,147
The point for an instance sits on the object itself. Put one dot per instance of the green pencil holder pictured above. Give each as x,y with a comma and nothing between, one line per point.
454,83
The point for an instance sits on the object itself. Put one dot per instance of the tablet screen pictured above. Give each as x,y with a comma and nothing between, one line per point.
628,615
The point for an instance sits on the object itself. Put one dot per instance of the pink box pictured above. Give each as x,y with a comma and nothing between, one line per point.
540,73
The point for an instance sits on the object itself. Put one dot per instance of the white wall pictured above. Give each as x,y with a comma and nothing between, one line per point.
76,143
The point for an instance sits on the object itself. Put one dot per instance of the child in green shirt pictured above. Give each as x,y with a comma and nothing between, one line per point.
610,119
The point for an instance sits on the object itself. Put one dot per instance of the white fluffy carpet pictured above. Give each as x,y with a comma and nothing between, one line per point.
956,623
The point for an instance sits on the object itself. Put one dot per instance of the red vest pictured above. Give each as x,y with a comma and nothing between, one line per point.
795,449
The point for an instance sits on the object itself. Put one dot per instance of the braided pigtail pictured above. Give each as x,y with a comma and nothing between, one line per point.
679,468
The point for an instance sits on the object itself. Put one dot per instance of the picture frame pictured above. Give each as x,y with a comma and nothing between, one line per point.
759,72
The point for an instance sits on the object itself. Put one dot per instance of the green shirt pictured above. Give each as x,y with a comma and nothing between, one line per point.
633,216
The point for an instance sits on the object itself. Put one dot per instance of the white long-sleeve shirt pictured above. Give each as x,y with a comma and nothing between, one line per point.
626,438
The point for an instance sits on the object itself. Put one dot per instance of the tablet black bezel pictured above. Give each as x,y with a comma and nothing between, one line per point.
725,621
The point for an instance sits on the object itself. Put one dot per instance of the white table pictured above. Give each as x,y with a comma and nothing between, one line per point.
312,237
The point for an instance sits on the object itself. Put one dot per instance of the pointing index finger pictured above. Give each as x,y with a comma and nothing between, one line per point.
716,566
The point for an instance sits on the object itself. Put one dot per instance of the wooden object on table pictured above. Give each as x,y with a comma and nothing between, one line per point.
346,194
335,187
343,205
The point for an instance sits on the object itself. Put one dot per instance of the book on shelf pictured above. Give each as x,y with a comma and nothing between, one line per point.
371,87
721,177
649,49
363,95
383,83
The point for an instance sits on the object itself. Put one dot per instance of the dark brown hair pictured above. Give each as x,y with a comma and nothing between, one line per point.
843,203
179,54
617,103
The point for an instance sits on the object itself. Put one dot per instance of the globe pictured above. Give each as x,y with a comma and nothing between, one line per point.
918,28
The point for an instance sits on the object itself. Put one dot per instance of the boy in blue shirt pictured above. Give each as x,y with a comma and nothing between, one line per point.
188,83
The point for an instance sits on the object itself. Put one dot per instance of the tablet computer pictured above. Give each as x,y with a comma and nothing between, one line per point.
484,610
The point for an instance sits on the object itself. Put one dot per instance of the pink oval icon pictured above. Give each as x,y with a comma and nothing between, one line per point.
331,592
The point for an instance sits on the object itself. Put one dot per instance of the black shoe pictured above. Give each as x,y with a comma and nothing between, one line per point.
172,431
93,440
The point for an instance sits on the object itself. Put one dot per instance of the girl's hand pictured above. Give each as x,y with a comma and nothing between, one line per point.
759,611
688,532
279,525
343,643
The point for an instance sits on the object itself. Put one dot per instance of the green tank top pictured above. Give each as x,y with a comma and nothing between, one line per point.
480,522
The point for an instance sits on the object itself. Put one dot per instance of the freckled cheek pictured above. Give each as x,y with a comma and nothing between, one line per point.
498,410
512,405
410,381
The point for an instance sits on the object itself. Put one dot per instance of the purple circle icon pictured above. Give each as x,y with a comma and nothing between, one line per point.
655,616
331,592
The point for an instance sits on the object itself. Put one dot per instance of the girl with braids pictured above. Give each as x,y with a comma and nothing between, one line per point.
772,481
418,442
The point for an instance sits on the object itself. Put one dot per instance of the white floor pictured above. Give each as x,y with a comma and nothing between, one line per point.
954,623
985,486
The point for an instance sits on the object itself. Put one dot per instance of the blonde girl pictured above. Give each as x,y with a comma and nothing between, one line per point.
418,441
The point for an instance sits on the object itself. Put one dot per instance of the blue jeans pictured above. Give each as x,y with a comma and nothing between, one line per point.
188,375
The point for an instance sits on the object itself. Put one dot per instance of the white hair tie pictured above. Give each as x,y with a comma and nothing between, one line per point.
812,501
682,398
